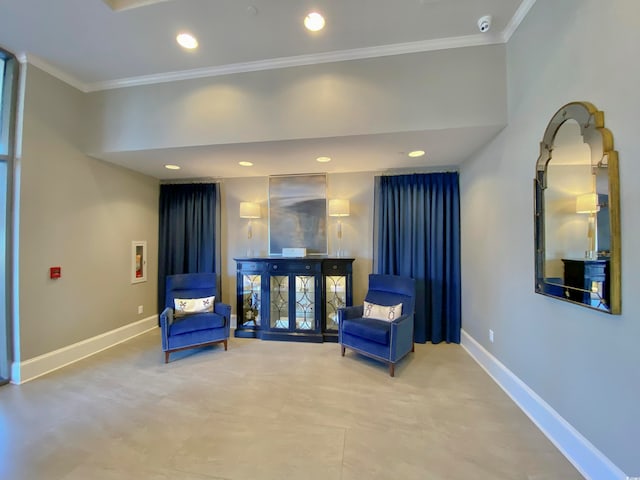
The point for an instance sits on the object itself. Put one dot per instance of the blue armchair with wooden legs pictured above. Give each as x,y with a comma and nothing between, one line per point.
193,316
382,328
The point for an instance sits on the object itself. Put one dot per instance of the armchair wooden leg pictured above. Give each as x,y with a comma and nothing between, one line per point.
413,347
166,357
343,349
392,369
225,345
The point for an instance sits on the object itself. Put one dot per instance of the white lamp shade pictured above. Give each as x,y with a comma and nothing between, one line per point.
338,208
249,210
587,203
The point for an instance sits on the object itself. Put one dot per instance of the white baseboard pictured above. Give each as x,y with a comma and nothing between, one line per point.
587,459
36,367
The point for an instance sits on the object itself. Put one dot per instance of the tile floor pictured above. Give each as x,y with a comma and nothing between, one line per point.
269,410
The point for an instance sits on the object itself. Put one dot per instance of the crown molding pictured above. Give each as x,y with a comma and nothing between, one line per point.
303,60
517,19
54,71
480,39
120,5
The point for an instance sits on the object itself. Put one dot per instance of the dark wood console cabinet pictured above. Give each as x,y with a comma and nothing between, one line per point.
588,279
295,299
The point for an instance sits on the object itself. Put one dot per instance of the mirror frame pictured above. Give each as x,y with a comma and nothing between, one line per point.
594,133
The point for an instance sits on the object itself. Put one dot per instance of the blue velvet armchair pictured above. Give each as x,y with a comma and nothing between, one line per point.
197,329
363,329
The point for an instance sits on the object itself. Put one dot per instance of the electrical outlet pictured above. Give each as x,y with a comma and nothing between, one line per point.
140,309
491,335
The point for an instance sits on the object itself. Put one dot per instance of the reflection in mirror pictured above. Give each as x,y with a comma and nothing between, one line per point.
577,215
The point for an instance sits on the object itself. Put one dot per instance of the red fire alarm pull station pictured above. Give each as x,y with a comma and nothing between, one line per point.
55,272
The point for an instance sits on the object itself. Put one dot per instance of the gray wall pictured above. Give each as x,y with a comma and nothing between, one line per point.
432,90
583,363
81,214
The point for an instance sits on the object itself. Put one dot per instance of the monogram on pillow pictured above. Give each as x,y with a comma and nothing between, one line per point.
382,312
184,306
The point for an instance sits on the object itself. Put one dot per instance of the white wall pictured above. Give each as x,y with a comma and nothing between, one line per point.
81,214
583,363
431,90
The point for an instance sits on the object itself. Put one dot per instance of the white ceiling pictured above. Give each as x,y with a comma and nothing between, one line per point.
93,46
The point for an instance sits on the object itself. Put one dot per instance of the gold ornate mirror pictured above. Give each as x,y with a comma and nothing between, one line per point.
577,210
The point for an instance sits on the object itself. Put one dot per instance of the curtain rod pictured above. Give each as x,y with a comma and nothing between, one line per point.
390,173
190,180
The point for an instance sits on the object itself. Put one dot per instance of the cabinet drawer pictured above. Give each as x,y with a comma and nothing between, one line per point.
250,267
595,271
302,268
336,267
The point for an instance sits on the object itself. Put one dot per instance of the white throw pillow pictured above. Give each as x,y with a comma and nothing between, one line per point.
184,306
381,312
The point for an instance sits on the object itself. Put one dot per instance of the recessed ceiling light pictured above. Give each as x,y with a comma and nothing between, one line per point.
186,40
172,167
245,164
323,159
314,21
416,153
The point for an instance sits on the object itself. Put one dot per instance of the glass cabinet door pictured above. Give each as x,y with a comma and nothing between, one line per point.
251,300
292,299
336,297
305,302
279,302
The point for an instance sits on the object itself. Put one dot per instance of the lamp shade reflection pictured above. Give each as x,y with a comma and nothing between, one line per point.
339,208
249,210
587,203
